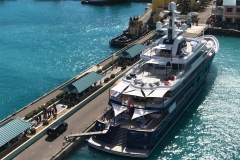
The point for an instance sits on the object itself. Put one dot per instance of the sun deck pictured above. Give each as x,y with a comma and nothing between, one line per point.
150,76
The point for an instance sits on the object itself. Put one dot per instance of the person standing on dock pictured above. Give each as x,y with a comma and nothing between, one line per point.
40,117
55,108
189,22
104,114
48,113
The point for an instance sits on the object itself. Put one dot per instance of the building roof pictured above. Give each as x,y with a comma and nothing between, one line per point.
12,128
82,83
229,2
133,51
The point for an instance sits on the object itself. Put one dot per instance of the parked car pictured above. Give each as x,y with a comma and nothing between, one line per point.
57,128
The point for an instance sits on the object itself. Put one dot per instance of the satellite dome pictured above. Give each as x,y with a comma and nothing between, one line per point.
158,25
172,6
184,27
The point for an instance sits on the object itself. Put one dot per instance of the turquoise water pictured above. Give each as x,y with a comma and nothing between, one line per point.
45,43
209,129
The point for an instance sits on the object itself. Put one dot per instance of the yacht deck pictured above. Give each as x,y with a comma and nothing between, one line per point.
153,76
166,53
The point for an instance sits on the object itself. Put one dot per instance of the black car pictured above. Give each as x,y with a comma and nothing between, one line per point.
57,128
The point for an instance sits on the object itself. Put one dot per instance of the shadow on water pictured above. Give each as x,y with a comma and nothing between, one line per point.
3,1
187,115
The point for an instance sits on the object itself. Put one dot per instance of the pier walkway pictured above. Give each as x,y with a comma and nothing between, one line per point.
45,147
194,31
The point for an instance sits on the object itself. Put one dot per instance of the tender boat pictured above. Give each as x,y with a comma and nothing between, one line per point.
154,93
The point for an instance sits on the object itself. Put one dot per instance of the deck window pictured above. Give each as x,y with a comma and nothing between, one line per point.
237,9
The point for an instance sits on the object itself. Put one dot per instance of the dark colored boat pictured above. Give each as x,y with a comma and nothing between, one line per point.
123,40
135,30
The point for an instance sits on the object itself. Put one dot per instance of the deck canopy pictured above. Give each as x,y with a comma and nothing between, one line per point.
137,92
120,87
12,129
118,109
83,83
142,112
132,51
158,92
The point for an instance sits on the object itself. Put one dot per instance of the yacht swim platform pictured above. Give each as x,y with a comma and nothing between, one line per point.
118,149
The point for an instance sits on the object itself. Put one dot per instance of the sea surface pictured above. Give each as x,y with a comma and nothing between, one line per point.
45,43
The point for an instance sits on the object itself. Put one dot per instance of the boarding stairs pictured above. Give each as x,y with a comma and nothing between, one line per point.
120,137
90,133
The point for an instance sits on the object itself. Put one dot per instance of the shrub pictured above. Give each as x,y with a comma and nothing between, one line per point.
106,80
60,95
123,68
107,66
45,122
110,64
71,104
33,130
29,115
99,71
112,75
33,113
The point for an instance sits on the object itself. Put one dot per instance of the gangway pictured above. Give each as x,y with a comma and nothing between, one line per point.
89,133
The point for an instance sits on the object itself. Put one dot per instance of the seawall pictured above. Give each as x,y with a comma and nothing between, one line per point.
222,32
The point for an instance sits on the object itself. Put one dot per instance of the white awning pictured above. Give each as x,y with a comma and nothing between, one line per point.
129,89
155,61
141,112
120,87
147,92
136,92
158,92
118,109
